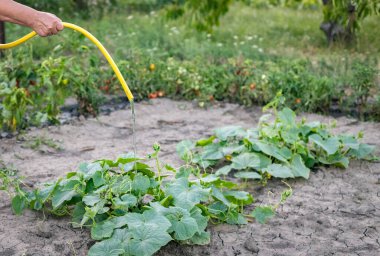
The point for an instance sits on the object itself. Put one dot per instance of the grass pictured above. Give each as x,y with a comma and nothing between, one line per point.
277,31
295,33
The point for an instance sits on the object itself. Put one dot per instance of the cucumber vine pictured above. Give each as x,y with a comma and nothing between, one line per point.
282,148
133,209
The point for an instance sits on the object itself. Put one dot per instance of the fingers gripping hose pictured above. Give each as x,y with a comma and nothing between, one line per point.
93,39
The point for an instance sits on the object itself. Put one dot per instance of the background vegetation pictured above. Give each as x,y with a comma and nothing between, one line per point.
259,48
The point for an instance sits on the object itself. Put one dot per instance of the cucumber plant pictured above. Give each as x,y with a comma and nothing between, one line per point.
284,148
133,209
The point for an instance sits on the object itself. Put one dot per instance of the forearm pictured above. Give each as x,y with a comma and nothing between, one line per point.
45,24
14,12
6,19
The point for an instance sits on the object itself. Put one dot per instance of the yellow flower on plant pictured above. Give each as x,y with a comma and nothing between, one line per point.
228,157
65,81
152,67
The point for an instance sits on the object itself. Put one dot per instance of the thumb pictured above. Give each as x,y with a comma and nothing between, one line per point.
60,26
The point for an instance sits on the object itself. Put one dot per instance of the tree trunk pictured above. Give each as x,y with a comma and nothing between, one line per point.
337,32
2,35
2,32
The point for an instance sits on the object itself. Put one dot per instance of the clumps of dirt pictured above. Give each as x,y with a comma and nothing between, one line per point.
335,212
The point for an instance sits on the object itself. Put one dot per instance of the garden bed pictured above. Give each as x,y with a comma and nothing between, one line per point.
334,212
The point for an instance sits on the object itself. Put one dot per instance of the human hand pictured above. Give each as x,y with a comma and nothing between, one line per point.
46,24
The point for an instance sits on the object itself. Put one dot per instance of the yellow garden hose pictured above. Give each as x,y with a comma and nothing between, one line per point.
93,39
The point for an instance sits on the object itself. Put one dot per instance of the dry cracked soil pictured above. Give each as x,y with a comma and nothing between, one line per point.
335,212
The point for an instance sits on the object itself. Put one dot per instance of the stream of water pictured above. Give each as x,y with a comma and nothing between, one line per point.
133,128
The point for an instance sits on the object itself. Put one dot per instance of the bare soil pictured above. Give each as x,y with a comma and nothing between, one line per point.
335,212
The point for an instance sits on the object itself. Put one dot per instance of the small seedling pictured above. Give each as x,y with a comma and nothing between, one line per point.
38,142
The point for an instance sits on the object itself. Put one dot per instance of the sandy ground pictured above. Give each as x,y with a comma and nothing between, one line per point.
335,212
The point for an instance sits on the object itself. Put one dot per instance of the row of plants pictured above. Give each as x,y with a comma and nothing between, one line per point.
33,91
245,81
280,146
134,209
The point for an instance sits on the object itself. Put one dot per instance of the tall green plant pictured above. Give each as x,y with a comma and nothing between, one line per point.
364,85
13,106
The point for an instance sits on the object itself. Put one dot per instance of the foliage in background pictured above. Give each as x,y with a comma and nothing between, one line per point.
238,80
32,92
203,15
133,209
341,18
68,8
283,148
236,63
